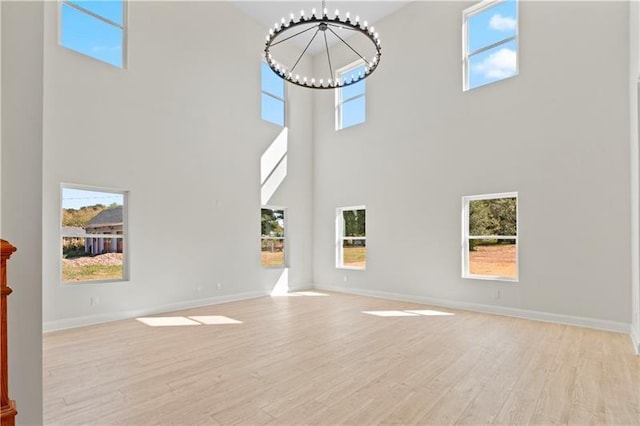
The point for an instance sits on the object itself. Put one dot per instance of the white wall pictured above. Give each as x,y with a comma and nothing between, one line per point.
558,134
181,130
634,74
22,200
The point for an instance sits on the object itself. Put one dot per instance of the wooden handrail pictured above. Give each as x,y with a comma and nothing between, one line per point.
7,406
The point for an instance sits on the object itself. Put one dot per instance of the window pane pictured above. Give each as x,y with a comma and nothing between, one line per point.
354,253
354,223
493,65
493,217
79,206
271,83
492,257
109,9
272,253
92,235
353,112
272,110
492,25
91,36
354,89
272,223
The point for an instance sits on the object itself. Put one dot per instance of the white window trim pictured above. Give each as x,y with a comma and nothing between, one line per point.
283,99
340,238
474,10
123,27
338,103
284,239
466,237
124,236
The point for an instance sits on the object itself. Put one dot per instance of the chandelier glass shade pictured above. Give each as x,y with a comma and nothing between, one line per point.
326,31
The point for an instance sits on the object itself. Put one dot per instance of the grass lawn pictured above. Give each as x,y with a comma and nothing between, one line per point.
275,258
354,256
91,272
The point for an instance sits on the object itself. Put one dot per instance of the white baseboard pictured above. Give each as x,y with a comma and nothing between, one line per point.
635,339
121,315
618,327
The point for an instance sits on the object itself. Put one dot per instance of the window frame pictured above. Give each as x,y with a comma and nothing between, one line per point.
124,28
284,239
340,238
466,237
124,236
476,9
273,95
339,103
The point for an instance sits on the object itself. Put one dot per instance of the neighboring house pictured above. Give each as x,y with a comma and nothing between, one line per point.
74,236
107,222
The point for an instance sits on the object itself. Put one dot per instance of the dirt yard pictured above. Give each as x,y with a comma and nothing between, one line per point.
101,259
497,260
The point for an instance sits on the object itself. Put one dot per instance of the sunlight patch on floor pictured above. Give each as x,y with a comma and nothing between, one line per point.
309,293
299,293
215,320
408,313
167,321
184,321
431,313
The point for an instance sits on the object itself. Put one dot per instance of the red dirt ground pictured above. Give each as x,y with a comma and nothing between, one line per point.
497,260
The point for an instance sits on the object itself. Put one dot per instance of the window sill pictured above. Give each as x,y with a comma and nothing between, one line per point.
80,283
491,278
352,268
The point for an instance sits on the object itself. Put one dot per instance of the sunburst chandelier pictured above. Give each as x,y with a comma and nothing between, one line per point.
327,31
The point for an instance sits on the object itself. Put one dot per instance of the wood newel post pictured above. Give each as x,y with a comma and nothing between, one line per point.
7,406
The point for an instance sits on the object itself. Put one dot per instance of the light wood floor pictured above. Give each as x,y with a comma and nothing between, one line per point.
321,360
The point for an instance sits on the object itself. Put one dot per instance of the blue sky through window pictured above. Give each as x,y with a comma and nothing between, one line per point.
355,89
91,36
493,65
353,111
272,96
108,9
271,83
77,198
485,28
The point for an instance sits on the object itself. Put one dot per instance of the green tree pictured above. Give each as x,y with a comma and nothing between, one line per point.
80,217
354,223
492,217
272,223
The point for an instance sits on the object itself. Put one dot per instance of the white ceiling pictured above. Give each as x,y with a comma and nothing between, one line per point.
269,12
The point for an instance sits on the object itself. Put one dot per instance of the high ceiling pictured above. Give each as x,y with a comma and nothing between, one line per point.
269,12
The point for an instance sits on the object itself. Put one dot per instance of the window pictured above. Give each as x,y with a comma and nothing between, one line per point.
351,233
490,42
93,234
272,96
350,100
272,223
95,28
490,236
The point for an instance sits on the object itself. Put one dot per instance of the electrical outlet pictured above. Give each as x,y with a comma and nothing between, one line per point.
95,300
345,278
219,285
